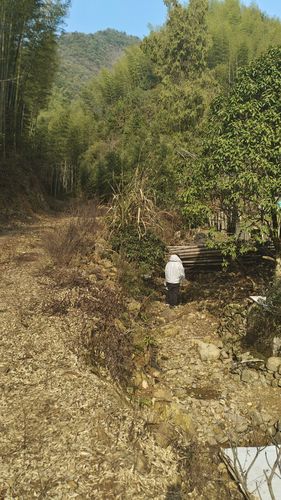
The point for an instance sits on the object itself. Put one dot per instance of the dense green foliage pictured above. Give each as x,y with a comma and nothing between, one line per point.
239,171
28,62
81,56
180,48
148,251
239,34
152,114
150,111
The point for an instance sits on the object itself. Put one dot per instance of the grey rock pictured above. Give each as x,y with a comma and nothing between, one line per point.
224,355
273,363
278,425
260,418
249,376
262,379
242,428
241,423
257,418
209,352
271,431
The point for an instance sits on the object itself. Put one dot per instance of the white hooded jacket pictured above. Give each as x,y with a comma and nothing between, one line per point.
174,270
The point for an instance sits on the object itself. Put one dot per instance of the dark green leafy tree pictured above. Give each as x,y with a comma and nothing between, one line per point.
240,169
180,48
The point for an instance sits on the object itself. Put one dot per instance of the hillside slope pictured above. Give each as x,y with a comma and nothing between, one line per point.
81,56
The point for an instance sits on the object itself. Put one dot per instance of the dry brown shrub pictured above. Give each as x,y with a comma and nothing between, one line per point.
71,278
75,238
134,205
111,346
57,307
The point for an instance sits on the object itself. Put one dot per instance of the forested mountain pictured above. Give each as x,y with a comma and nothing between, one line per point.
147,120
81,56
149,112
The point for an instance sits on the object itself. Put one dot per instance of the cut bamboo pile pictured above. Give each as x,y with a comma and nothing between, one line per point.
200,257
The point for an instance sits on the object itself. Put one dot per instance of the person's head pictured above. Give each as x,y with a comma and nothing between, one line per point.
174,258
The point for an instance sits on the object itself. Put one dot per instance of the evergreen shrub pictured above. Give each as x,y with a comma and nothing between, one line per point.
148,250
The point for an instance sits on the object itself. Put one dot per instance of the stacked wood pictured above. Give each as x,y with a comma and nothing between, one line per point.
204,258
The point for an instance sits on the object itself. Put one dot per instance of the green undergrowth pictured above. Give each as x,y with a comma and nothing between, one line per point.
145,251
264,323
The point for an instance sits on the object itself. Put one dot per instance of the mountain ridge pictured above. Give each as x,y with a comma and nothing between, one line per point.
82,56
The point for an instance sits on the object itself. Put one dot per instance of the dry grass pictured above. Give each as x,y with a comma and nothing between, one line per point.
75,238
135,206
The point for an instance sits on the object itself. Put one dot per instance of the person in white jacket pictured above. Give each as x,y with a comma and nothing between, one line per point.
174,274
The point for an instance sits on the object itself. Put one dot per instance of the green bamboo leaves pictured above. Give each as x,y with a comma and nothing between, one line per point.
28,54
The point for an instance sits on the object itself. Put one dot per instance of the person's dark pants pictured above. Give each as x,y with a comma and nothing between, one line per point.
173,293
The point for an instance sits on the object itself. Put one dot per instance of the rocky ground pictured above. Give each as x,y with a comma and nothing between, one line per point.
226,404
68,432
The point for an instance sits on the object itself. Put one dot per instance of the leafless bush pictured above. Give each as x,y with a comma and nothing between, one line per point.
57,307
112,348
111,345
71,278
263,463
75,238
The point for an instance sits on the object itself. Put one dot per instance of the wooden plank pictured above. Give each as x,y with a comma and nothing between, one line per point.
200,257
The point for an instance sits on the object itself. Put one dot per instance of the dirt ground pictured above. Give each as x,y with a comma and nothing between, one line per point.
65,433
68,433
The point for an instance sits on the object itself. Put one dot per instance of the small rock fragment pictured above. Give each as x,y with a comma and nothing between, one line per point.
209,352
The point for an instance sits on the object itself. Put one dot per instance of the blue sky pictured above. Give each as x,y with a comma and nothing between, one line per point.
132,16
